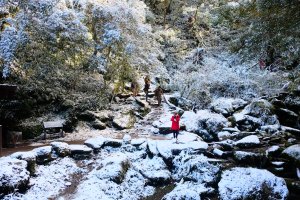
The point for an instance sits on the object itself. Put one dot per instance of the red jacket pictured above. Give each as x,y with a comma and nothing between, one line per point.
175,123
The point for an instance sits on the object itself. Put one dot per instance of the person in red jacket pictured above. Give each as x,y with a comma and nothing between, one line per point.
175,125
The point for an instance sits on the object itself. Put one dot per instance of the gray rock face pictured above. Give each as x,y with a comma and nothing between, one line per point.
250,183
13,174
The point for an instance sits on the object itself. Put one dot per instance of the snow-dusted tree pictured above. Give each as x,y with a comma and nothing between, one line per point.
268,30
49,39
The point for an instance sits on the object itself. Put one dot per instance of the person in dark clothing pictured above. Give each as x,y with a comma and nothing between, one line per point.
175,125
147,86
158,93
134,88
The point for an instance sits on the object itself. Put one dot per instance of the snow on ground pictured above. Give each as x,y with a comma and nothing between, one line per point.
101,182
250,183
51,179
13,172
187,191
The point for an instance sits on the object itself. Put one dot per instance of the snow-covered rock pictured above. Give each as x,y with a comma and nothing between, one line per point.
123,121
185,137
187,191
43,154
258,113
167,148
114,168
250,183
95,143
273,151
270,128
138,142
126,139
113,142
195,168
293,152
226,106
97,124
80,149
51,179
133,187
190,120
250,158
218,152
212,122
13,174
248,142
61,148
258,108
155,170
226,134
152,147
29,157
227,145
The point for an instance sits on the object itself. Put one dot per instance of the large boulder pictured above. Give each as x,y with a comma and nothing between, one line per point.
80,151
13,174
212,122
43,154
227,106
258,113
194,168
250,159
61,148
288,117
95,143
29,157
259,107
168,149
113,168
155,170
204,120
293,153
97,124
113,142
250,183
124,121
